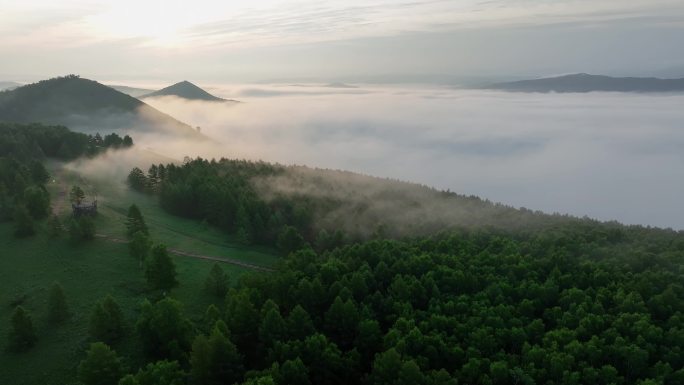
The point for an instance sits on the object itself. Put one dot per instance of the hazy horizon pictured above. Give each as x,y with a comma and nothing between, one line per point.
392,41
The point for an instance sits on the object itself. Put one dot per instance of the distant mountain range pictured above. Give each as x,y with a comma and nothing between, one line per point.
589,83
185,90
9,85
87,106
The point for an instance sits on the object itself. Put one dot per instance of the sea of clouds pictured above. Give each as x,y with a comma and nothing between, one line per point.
608,156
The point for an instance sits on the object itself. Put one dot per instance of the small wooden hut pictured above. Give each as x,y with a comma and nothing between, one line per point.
84,208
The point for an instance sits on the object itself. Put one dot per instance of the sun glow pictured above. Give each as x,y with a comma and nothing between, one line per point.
154,22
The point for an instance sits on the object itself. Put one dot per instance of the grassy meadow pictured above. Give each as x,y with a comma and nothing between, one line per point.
94,269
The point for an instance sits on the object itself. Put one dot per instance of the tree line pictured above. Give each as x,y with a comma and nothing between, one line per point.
25,142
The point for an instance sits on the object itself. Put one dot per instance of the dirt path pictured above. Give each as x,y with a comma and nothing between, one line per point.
229,261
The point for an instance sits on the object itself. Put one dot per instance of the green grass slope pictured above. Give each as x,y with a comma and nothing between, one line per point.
94,269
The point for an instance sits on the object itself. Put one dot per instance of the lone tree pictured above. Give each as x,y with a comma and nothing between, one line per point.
22,336
217,282
135,221
139,246
160,270
76,195
101,366
58,311
106,322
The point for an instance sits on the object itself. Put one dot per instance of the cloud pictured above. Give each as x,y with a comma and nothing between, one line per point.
299,90
329,39
209,24
608,156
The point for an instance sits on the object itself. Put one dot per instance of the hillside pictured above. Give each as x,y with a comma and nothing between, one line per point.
87,106
589,83
502,296
92,270
506,296
327,205
35,177
185,90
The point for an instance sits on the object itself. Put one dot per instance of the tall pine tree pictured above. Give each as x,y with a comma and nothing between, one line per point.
139,246
217,282
135,221
160,270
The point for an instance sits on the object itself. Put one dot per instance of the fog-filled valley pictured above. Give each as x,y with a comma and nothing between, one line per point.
596,154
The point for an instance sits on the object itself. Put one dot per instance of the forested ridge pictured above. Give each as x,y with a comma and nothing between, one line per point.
559,300
36,141
258,202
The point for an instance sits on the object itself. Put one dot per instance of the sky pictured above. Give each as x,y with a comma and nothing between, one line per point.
354,40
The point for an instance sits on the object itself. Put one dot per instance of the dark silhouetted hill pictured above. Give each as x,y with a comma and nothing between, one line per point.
589,83
185,90
87,106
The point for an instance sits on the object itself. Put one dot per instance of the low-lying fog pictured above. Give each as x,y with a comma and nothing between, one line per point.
604,155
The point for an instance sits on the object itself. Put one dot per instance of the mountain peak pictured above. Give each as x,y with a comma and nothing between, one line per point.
185,90
583,82
85,105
